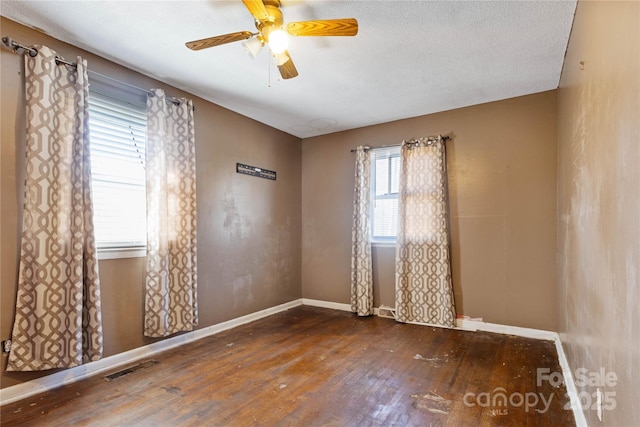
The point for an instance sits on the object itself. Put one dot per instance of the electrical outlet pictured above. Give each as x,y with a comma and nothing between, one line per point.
599,403
6,346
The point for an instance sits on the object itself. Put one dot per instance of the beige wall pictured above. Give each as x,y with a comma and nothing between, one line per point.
599,202
248,228
502,184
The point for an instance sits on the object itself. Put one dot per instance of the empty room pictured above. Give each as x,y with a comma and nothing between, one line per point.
320,212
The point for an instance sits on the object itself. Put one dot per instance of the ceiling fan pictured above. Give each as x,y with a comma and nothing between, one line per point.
273,32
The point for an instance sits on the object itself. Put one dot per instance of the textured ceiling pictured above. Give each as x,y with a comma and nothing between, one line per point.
409,58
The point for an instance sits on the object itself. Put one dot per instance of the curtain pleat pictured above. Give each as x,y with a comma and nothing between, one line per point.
424,292
58,317
171,277
361,271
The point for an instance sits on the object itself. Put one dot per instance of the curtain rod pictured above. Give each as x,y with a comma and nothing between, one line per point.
367,148
33,52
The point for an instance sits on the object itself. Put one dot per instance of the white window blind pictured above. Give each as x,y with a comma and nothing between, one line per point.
118,134
385,169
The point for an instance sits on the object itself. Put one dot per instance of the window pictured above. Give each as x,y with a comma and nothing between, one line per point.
385,170
117,132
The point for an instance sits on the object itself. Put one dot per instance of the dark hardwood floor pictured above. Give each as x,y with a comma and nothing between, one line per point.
317,367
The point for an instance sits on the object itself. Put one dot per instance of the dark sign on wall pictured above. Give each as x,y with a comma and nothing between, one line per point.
255,171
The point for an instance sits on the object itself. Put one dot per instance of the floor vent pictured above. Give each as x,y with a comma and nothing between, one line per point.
388,312
130,369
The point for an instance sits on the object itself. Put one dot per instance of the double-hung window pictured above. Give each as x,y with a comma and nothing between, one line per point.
117,131
385,170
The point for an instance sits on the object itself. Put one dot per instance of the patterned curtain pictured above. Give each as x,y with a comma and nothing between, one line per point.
171,278
58,320
424,293
361,275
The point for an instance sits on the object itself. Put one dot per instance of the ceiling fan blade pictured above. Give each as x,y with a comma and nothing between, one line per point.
287,69
218,40
327,27
257,9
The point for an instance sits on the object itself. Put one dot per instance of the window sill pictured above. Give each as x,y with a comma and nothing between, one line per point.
117,253
383,244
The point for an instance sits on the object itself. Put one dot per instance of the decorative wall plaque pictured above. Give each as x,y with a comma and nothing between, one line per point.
255,171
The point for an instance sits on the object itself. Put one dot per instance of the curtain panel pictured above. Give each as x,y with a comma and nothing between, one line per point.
361,270
171,277
58,317
424,292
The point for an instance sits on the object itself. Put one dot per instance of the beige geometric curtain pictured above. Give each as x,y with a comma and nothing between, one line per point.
424,293
58,319
171,280
361,274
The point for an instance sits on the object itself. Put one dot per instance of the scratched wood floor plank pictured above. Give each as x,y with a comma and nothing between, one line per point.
318,367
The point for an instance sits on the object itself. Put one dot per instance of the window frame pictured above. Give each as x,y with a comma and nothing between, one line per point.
389,153
123,95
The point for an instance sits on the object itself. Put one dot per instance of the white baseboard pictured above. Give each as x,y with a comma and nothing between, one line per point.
332,305
326,304
572,391
474,325
71,375
30,388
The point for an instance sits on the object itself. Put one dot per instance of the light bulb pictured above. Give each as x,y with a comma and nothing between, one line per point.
278,41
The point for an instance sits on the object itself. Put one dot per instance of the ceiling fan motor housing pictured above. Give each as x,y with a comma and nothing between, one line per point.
274,20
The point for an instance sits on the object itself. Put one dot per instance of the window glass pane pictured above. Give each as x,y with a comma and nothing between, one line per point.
117,132
122,214
382,175
385,215
395,173
384,194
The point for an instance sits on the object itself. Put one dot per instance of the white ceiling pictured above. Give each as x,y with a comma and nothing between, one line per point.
409,58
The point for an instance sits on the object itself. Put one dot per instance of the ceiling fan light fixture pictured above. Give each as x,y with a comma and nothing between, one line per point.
271,28
252,46
278,41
